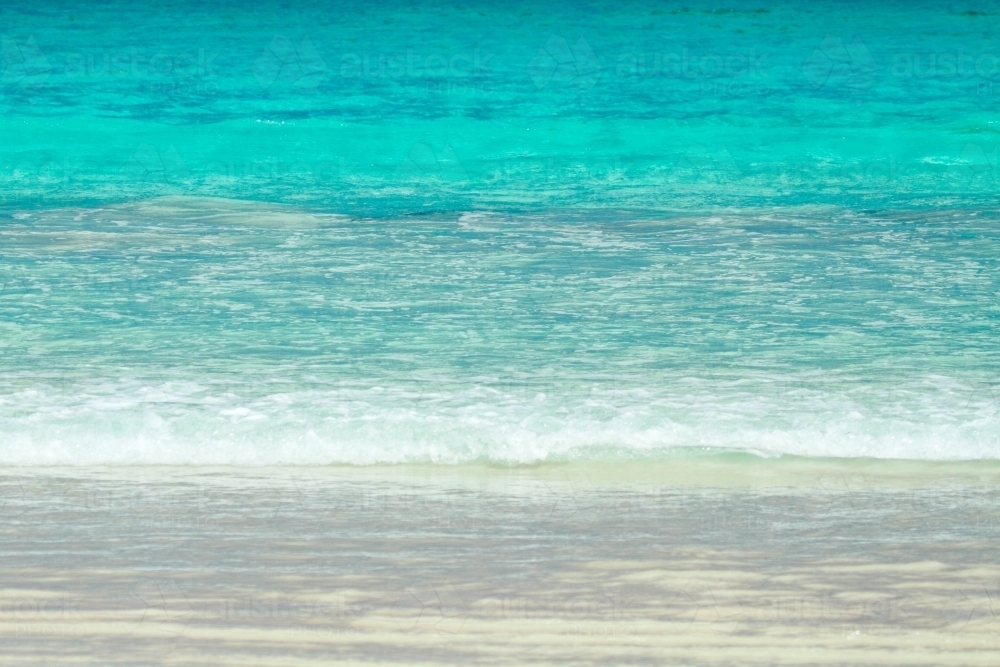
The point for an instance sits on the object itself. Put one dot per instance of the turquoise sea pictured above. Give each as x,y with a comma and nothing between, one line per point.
345,232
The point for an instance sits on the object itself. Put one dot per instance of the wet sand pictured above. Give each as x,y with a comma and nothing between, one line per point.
728,561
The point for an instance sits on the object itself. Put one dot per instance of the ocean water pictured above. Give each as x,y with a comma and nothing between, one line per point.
503,232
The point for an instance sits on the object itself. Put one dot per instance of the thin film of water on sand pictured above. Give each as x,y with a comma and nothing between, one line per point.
707,563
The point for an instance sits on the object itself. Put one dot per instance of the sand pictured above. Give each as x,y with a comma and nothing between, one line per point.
705,561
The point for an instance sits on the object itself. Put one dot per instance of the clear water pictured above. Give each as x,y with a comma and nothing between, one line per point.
515,233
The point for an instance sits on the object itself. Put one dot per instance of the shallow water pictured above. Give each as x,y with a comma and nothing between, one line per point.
370,109
337,233
790,562
676,328
209,331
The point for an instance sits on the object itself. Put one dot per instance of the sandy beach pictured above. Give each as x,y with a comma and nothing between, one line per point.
692,562
485,333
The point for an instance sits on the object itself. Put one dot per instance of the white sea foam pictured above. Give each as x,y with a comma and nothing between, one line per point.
183,423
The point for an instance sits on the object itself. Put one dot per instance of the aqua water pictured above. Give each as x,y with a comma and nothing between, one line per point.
339,233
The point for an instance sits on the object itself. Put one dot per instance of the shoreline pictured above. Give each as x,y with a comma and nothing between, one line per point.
698,470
